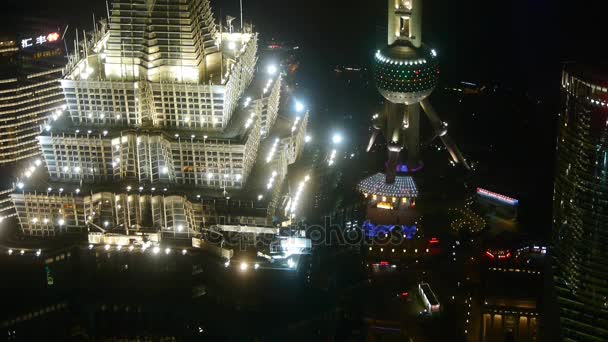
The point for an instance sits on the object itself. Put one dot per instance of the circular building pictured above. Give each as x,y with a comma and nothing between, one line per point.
398,195
404,73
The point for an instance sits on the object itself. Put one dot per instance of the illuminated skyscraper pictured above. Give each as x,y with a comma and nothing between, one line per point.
164,123
580,218
31,64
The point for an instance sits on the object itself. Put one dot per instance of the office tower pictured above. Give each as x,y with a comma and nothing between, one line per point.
31,64
580,216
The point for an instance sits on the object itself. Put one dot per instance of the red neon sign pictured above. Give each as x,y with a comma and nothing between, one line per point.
52,37
507,256
434,241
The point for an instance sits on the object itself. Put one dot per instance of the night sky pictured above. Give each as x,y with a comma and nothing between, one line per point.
520,43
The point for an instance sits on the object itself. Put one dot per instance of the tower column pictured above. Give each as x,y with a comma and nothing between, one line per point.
412,135
394,118
393,21
416,23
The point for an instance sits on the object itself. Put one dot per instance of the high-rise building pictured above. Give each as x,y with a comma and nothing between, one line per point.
580,218
32,57
164,129
31,64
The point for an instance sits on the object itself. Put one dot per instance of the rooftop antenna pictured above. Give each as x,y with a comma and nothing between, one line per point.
84,39
77,47
241,3
65,44
94,26
229,20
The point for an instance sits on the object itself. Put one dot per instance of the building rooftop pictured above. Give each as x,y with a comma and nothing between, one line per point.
594,72
235,129
404,186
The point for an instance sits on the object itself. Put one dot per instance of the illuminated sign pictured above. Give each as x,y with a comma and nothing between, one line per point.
501,254
497,197
40,40
373,230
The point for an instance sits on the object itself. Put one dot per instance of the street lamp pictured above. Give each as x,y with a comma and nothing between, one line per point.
299,106
337,138
272,69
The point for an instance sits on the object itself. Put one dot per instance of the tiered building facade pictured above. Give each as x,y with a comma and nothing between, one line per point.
168,128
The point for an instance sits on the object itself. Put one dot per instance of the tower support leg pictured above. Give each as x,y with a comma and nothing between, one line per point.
412,135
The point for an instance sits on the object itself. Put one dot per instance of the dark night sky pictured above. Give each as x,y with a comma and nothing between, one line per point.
520,43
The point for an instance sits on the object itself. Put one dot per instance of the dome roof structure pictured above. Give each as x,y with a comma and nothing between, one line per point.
404,73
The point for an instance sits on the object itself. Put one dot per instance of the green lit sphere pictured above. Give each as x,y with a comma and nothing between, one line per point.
404,73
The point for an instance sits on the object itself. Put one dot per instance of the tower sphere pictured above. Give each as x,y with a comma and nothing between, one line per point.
405,73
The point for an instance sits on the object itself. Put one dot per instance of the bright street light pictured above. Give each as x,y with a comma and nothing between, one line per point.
272,69
299,107
336,138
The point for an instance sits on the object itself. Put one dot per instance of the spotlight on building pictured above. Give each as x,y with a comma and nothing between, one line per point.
299,107
337,138
272,69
